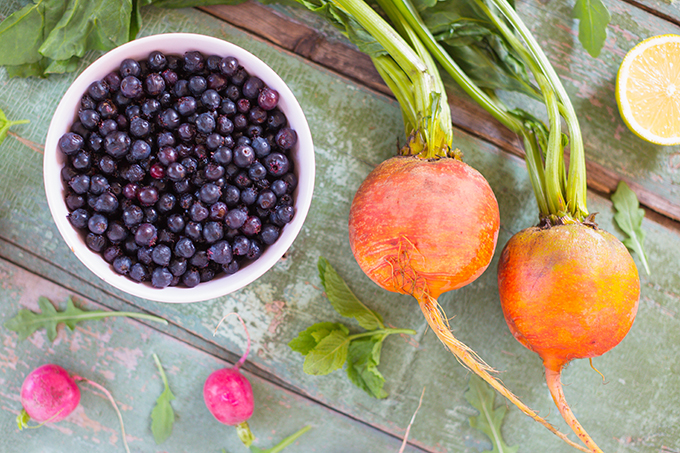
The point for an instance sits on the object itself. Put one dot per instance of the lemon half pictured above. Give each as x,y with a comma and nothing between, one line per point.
648,90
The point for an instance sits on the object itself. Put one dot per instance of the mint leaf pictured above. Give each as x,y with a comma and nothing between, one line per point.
481,396
344,301
329,354
629,217
362,365
310,337
26,321
162,415
593,18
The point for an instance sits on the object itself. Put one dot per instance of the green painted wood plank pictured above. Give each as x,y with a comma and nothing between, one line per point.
117,354
353,132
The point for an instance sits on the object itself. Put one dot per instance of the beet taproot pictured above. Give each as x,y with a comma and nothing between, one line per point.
567,292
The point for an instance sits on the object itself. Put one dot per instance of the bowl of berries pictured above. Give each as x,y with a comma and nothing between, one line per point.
179,167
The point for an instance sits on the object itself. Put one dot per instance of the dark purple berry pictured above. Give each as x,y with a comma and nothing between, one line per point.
241,245
70,143
161,277
122,264
220,252
131,87
191,278
139,273
79,218
146,234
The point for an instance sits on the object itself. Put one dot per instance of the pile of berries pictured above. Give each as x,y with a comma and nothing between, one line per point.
178,168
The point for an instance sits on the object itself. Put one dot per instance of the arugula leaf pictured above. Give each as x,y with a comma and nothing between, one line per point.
344,301
629,217
162,415
362,365
5,124
329,354
593,18
26,321
481,396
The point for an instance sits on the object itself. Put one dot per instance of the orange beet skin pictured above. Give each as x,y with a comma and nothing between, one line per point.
568,292
419,225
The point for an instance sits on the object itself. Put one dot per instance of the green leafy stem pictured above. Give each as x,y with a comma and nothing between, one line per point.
327,346
26,322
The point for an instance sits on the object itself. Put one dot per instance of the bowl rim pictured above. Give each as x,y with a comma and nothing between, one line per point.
178,43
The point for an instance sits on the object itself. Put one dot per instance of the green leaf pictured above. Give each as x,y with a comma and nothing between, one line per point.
344,301
193,3
310,337
5,124
593,18
362,365
629,217
481,396
26,321
162,415
329,354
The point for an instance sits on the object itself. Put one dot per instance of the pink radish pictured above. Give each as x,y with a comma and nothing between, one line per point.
229,396
49,394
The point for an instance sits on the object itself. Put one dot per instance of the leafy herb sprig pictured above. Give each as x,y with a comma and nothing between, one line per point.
327,346
593,18
629,217
162,415
26,322
482,397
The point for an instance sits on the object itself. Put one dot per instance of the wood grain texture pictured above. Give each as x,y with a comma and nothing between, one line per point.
354,128
332,51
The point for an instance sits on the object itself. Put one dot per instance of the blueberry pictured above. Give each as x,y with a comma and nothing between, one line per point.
257,116
244,156
132,215
211,99
213,171
74,201
218,210
130,67
145,255
82,161
286,138
150,108
275,120
70,143
185,248
198,212
240,77
193,61
277,164
181,88
107,164
231,195
268,98
95,242
107,109
257,171
205,123
235,218
146,234
113,79
214,141
241,245
161,255
169,119
228,66
213,231
217,81
209,193
197,85
117,144
252,87
269,233
131,87
176,223
178,266
176,171
139,127
283,215
200,259
95,142
222,156
186,132
165,138
228,107
220,252
166,203
167,155
116,232
138,272
79,218
255,250
230,268
139,150
249,196
161,277
107,126
106,203
191,278
133,173
186,106
89,118
147,196
122,264
98,90
252,226
266,199
80,184
111,252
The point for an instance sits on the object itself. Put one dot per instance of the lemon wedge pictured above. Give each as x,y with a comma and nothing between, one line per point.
648,90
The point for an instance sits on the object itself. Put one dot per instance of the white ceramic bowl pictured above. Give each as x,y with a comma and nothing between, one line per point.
177,43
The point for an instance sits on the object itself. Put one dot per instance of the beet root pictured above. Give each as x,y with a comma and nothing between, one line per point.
567,292
423,227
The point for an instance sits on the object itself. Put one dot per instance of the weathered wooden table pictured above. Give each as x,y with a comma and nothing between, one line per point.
355,125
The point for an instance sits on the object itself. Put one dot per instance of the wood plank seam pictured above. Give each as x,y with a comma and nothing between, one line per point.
189,338
466,115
